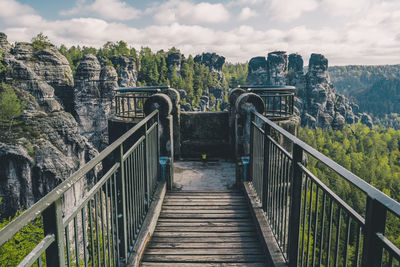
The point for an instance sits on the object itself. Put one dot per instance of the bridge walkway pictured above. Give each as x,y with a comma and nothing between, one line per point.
204,228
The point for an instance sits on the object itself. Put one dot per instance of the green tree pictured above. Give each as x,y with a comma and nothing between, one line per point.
40,42
10,105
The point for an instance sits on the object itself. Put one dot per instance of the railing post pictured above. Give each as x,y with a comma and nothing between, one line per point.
249,174
122,217
294,219
375,221
146,177
267,132
53,224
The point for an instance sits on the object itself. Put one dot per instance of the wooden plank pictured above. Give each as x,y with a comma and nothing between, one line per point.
208,245
203,234
203,239
179,264
202,215
204,258
198,251
209,211
205,197
203,191
206,229
203,203
216,207
201,220
205,223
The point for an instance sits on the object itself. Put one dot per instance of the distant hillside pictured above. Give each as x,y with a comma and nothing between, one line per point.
352,79
376,89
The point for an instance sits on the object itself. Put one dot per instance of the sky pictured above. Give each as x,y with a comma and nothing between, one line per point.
345,31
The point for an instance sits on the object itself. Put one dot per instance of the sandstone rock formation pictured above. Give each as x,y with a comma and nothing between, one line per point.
93,98
38,154
211,60
317,102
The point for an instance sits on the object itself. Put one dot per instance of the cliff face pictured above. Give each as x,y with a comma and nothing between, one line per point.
93,98
317,102
47,143
37,153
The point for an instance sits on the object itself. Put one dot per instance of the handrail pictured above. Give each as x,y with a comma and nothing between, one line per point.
120,196
302,210
374,193
27,216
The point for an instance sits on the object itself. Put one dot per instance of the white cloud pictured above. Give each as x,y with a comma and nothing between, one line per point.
189,13
289,10
246,13
366,38
106,9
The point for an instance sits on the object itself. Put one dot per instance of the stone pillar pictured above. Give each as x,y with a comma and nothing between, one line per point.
163,104
233,96
245,104
277,63
176,114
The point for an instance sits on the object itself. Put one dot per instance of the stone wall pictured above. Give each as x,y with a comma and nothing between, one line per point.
205,133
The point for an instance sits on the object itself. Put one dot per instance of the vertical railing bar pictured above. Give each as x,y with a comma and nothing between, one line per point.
102,225
96,215
357,257
309,220
346,254
76,237
39,261
270,183
375,222
112,224
296,192
276,162
108,220
339,218
322,233
84,234
304,218
329,231
127,202
91,231
134,192
53,224
148,189
123,242
315,225
390,263
67,246
250,171
281,198
286,181
137,190
116,220
273,191
131,188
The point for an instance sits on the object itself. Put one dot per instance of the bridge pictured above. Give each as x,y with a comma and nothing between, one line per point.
278,213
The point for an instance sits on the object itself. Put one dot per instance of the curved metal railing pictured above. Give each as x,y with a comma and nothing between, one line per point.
278,100
129,101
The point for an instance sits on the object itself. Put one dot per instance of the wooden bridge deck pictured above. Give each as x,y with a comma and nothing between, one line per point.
204,228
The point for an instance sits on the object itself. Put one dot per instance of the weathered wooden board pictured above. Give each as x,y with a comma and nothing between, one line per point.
204,258
204,228
208,245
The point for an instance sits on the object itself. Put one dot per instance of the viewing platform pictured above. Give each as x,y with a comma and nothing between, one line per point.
230,188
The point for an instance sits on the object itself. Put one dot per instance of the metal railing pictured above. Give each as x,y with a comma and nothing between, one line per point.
278,100
101,227
311,223
129,102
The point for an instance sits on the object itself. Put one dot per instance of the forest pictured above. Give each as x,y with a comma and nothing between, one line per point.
372,154
376,89
193,77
